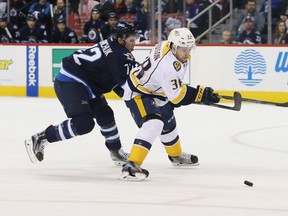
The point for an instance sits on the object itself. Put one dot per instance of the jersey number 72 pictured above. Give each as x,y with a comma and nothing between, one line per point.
93,55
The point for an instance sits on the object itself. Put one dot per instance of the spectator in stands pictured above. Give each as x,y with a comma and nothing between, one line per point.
216,10
74,6
107,29
284,12
238,4
131,9
85,6
259,20
3,6
8,32
60,12
172,6
226,37
138,3
18,12
226,8
251,35
192,10
33,32
141,19
41,11
63,34
105,7
275,8
120,7
92,27
281,35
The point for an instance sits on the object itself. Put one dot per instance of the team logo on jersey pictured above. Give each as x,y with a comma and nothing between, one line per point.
92,34
32,39
4,39
250,66
177,65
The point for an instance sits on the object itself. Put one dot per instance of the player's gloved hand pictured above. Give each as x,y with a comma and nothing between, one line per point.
206,95
118,90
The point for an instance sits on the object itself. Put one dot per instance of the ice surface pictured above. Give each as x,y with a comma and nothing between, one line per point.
78,178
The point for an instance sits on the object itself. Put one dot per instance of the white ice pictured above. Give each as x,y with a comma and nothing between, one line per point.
78,178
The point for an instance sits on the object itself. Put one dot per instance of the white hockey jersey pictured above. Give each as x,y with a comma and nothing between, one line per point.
160,75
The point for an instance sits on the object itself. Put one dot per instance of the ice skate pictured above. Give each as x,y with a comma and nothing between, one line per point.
35,147
119,157
133,172
184,159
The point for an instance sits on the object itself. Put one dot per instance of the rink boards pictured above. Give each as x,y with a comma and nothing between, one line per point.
256,71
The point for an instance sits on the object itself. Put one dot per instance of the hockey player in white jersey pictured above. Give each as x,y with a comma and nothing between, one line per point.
152,91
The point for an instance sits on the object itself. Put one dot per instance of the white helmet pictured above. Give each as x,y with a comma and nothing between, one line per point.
181,37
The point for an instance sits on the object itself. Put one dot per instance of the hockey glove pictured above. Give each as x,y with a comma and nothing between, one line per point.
205,95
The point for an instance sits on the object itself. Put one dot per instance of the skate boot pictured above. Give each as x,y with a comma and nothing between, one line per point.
133,172
184,159
119,157
35,147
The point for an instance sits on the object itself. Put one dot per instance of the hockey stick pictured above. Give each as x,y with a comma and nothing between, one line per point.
52,15
285,104
237,102
8,32
100,34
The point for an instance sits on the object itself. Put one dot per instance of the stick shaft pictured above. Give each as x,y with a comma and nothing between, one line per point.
8,32
285,104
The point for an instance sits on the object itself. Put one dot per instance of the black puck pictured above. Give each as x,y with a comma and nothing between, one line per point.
250,184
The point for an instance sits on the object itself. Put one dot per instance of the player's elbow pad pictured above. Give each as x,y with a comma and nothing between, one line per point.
189,96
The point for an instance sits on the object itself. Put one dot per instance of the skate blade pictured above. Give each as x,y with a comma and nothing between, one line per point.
29,149
185,165
125,176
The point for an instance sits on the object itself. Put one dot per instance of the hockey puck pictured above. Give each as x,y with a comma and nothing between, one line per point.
250,184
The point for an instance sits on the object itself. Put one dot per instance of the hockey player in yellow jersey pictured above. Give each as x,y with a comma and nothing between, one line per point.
151,92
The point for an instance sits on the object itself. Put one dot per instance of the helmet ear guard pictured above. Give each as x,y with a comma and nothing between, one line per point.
173,48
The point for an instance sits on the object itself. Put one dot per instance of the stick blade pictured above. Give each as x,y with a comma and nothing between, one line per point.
282,104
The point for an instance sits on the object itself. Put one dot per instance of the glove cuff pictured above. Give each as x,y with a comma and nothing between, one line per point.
200,93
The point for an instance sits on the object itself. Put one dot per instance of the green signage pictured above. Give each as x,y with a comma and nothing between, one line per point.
57,56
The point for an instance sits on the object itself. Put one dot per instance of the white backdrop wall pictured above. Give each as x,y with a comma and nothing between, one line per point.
259,71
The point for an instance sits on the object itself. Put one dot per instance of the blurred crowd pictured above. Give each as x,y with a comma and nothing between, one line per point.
46,21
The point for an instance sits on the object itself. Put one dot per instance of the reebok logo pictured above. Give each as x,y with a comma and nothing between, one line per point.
32,67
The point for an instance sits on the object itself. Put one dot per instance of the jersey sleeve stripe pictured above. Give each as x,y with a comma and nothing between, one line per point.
143,89
165,49
138,85
140,106
72,76
181,95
